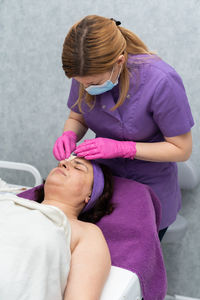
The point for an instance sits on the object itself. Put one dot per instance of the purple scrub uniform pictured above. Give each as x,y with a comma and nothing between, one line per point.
156,106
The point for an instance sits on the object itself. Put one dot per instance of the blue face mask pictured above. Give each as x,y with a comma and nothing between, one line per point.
102,88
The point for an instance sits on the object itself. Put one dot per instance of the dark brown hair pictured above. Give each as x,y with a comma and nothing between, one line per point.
103,205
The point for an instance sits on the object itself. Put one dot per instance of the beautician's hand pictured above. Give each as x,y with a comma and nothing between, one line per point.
65,145
105,148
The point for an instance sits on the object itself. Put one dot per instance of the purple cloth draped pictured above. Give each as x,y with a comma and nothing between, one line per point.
131,232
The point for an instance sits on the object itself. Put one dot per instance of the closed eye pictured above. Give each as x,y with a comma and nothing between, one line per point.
82,165
95,83
78,169
76,163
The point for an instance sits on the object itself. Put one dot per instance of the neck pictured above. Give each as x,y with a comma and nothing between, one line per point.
71,212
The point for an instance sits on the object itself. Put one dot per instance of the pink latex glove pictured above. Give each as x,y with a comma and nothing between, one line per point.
106,148
65,145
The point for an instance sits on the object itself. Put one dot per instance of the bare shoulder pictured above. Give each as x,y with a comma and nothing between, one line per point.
89,227
81,231
90,262
84,227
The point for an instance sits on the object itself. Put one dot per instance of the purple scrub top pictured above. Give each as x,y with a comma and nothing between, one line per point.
156,106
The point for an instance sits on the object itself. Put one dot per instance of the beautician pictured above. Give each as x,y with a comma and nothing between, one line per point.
134,102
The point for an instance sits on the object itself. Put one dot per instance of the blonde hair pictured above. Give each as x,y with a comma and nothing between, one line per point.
92,46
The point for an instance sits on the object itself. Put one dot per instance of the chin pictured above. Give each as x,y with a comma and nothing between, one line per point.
53,179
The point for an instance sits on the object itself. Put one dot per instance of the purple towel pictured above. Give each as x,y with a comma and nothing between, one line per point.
131,232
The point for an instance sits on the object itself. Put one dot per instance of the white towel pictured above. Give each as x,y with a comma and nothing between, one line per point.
34,250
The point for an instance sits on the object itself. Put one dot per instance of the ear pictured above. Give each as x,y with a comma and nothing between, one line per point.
87,199
121,59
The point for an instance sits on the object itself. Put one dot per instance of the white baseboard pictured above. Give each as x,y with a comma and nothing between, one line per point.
178,297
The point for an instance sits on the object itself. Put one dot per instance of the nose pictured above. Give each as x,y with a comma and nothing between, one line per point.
64,164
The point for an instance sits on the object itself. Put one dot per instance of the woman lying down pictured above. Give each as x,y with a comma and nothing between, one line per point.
47,252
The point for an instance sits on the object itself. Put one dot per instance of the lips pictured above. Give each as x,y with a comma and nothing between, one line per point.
60,171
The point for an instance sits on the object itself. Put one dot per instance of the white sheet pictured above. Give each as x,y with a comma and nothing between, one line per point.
31,233
121,285
35,250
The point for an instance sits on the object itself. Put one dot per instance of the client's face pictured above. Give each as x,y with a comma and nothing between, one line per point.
71,179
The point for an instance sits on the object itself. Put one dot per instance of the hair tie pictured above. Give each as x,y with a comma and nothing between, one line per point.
116,22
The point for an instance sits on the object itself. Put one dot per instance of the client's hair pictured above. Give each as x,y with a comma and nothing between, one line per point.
103,205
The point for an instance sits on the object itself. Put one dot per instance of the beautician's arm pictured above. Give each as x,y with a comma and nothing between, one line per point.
76,123
174,149
90,266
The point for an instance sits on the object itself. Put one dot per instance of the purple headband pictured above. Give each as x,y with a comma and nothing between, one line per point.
98,186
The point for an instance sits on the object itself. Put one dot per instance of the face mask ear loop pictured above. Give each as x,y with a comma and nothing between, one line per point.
111,73
118,74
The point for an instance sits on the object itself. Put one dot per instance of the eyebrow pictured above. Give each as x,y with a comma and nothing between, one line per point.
79,162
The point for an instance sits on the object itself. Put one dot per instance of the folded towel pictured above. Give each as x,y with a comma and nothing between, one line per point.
131,232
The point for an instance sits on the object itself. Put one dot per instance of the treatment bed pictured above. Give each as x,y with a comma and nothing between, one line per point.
135,272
